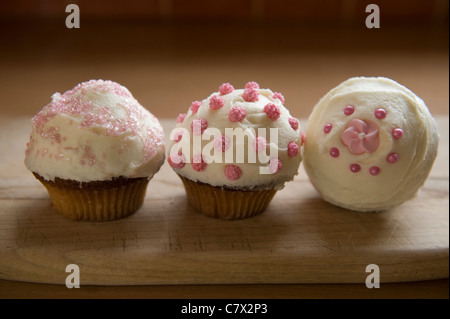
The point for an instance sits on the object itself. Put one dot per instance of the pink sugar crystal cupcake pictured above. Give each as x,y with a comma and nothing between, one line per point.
95,148
234,150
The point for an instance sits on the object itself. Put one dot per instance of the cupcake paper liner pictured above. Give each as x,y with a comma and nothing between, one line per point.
225,203
98,200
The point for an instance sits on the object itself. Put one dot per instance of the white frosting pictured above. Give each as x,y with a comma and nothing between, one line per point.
400,164
218,120
95,132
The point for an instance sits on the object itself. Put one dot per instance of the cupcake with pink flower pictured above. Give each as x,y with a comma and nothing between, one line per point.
234,150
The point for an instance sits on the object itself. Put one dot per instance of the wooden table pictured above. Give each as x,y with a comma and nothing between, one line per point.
180,65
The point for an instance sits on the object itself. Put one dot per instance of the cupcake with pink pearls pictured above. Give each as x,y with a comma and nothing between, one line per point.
234,150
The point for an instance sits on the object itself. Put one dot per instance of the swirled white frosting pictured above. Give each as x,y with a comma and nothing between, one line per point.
370,144
255,111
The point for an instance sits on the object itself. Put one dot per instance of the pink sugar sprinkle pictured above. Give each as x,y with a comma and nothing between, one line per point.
252,85
334,152
355,168
349,109
178,136
327,128
273,111
250,95
279,96
221,143
294,123
181,117
198,163
392,158
397,133
233,172
195,106
236,114
226,88
374,170
380,113
216,102
198,126
275,165
259,144
177,160
293,149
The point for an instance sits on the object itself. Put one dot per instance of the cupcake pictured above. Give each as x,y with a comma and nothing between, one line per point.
95,148
370,144
234,150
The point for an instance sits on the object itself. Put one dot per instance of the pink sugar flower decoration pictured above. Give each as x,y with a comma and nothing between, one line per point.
360,137
273,111
233,172
226,88
236,114
278,96
216,102
181,117
195,106
250,95
252,85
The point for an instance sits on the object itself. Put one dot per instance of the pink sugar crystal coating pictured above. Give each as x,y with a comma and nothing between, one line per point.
198,163
278,96
392,158
275,165
71,103
198,126
355,168
250,95
380,113
259,144
236,114
226,88
349,109
327,128
221,143
233,172
374,170
293,149
216,102
177,160
181,117
80,104
195,106
252,85
397,133
272,111
294,123
334,152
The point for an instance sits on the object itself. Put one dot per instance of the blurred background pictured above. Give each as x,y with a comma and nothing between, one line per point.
169,53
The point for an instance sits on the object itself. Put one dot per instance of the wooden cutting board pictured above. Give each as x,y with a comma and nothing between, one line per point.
299,239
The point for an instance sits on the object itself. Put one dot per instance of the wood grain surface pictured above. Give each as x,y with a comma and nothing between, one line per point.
299,239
